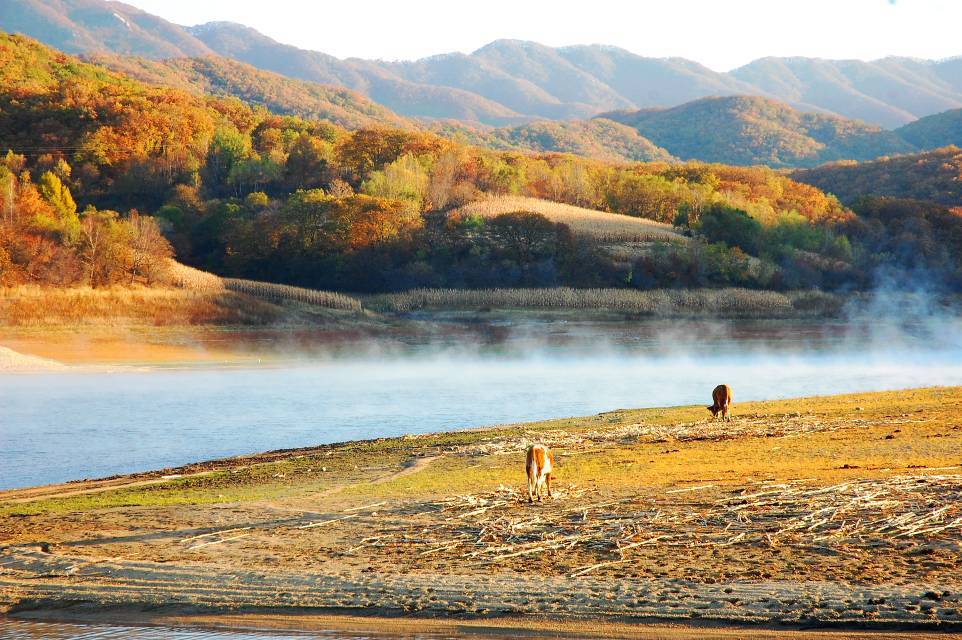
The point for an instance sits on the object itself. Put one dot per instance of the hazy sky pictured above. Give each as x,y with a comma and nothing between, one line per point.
721,34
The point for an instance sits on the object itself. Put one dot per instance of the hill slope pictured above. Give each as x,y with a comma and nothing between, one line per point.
932,132
80,26
596,138
752,130
215,75
935,176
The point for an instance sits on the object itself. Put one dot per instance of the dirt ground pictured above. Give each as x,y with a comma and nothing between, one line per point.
843,512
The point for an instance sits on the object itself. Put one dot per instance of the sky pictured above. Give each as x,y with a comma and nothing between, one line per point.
721,34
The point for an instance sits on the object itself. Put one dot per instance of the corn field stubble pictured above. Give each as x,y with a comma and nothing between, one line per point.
730,302
598,225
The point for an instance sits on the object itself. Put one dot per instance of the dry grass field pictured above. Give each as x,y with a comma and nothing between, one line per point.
34,306
189,297
600,225
836,511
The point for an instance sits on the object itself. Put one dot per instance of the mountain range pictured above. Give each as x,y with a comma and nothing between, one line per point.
513,95
743,130
508,82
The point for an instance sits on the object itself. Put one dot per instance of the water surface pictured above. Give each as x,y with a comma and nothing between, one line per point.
319,389
32,630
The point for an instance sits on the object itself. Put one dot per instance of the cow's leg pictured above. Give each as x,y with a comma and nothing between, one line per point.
547,483
531,486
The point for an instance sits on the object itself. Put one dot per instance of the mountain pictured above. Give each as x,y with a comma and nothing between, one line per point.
650,82
597,138
932,132
215,75
509,82
935,176
752,130
548,69
81,26
372,79
889,92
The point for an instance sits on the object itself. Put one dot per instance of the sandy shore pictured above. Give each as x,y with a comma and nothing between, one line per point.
112,350
842,513
11,360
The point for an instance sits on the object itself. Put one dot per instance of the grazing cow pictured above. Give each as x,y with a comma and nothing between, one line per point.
721,399
538,463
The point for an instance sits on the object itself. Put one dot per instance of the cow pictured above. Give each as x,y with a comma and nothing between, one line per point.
538,463
721,399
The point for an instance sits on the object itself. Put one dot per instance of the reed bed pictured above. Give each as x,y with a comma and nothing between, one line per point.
659,302
599,225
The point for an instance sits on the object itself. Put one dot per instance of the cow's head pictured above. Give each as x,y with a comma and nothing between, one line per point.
714,409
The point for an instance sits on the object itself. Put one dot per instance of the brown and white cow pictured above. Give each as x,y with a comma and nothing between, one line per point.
721,399
538,463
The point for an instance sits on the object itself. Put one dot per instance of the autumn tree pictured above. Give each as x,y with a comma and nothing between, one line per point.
404,179
64,220
102,249
227,149
308,162
149,250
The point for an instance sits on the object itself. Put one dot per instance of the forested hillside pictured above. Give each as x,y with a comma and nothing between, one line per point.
215,75
935,176
597,138
752,130
105,176
932,132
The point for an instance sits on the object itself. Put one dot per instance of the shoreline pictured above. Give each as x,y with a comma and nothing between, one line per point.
400,527
397,624
72,348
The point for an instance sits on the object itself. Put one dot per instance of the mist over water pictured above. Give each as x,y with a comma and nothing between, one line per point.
321,389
